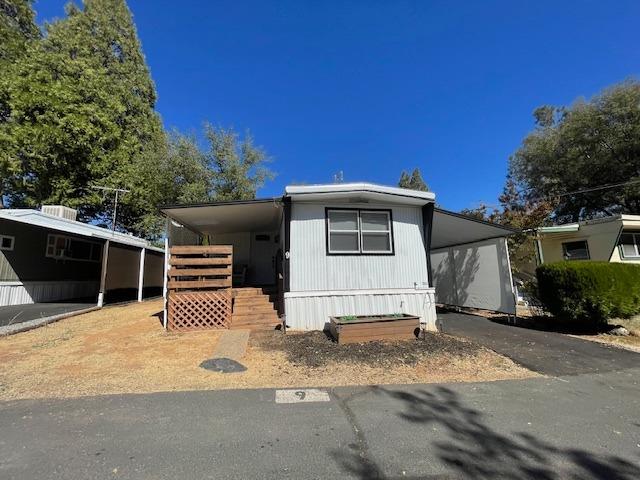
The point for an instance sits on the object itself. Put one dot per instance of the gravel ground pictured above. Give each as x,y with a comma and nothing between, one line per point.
316,349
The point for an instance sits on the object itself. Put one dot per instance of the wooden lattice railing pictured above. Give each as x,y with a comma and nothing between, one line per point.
199,287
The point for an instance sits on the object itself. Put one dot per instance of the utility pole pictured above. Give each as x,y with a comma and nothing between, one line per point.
115,203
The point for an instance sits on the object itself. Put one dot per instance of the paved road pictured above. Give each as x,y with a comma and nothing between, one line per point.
576,427
13,314
545,352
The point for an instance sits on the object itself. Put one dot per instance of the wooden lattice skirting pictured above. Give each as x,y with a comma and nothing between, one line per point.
199,310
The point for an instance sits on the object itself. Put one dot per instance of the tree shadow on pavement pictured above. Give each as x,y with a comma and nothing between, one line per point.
474,450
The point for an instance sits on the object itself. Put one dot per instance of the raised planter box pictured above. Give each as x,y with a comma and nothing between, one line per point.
366,328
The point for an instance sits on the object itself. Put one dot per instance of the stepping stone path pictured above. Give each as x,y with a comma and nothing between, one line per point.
230,348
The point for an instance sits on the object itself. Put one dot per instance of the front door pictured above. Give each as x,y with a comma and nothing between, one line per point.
263,258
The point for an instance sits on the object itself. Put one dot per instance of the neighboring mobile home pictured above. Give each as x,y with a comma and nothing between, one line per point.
351,249
48,256
610,239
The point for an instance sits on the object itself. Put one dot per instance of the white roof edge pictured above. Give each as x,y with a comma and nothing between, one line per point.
570,227
357,187
630,218
72,226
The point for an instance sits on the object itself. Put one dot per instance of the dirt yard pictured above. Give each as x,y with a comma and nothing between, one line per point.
124,349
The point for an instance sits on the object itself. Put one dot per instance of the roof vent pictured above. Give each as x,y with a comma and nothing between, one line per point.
60,211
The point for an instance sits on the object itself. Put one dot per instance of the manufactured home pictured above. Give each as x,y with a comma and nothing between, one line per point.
48,256
327,250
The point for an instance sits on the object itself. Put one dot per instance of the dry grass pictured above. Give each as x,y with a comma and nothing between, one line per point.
124,350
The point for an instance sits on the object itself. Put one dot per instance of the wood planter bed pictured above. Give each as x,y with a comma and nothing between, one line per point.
366,328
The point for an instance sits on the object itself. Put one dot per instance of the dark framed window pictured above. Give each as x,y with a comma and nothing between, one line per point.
578,250
7,242
359,231
62,247
630,245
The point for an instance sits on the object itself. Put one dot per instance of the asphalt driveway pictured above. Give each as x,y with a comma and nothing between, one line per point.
548,353
578,427
13,314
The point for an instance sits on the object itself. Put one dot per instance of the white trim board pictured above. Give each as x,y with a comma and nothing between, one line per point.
345,293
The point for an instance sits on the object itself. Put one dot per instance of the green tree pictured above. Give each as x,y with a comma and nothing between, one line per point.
81,113
588,144
17,30
413,181
238,167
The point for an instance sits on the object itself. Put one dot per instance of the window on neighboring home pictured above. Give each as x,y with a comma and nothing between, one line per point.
630,245
576,250
7,242
69,248
359,232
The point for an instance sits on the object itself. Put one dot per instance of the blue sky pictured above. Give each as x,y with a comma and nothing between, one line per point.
374,87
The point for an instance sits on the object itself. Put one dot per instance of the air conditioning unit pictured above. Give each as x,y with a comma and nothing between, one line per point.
60,211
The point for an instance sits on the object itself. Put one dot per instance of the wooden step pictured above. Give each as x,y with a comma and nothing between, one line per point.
253,328
253,301
255,317
249,309
252,291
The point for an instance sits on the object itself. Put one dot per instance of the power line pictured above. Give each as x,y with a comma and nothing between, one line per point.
587,190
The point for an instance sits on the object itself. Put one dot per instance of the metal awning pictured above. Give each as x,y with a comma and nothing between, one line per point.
450,228
228,217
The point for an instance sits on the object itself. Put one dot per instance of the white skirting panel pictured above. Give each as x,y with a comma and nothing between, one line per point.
311,310
18,293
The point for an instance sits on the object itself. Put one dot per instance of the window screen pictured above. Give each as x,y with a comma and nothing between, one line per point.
359,231
630,245
343,231
576,250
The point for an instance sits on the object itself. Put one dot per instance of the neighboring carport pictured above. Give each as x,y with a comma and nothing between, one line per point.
470,264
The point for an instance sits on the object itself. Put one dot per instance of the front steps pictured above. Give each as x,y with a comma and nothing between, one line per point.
254,309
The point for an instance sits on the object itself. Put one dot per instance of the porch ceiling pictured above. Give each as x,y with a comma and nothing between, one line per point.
450,228
241,216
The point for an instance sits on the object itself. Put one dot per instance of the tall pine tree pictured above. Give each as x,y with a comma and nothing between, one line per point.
82,113
17,30
413,181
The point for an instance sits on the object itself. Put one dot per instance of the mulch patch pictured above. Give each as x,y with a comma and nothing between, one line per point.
316,349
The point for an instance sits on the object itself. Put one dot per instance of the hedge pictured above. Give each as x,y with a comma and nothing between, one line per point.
587,291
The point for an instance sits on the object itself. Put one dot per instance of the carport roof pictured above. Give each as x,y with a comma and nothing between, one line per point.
44,220
450,228
233,216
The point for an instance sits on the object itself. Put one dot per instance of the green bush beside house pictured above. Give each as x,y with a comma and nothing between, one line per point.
589,292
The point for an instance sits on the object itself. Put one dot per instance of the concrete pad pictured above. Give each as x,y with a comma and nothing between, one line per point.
232,344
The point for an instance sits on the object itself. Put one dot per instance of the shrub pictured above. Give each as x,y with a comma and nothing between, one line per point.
589,291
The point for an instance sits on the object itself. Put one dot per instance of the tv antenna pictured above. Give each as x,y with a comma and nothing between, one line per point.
115,202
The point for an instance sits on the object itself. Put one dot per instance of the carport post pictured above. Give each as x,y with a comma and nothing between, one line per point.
141,273
103,273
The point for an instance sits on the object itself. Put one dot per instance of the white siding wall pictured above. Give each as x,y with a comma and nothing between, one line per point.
312,312
19,293
327,285
475,275
312,269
